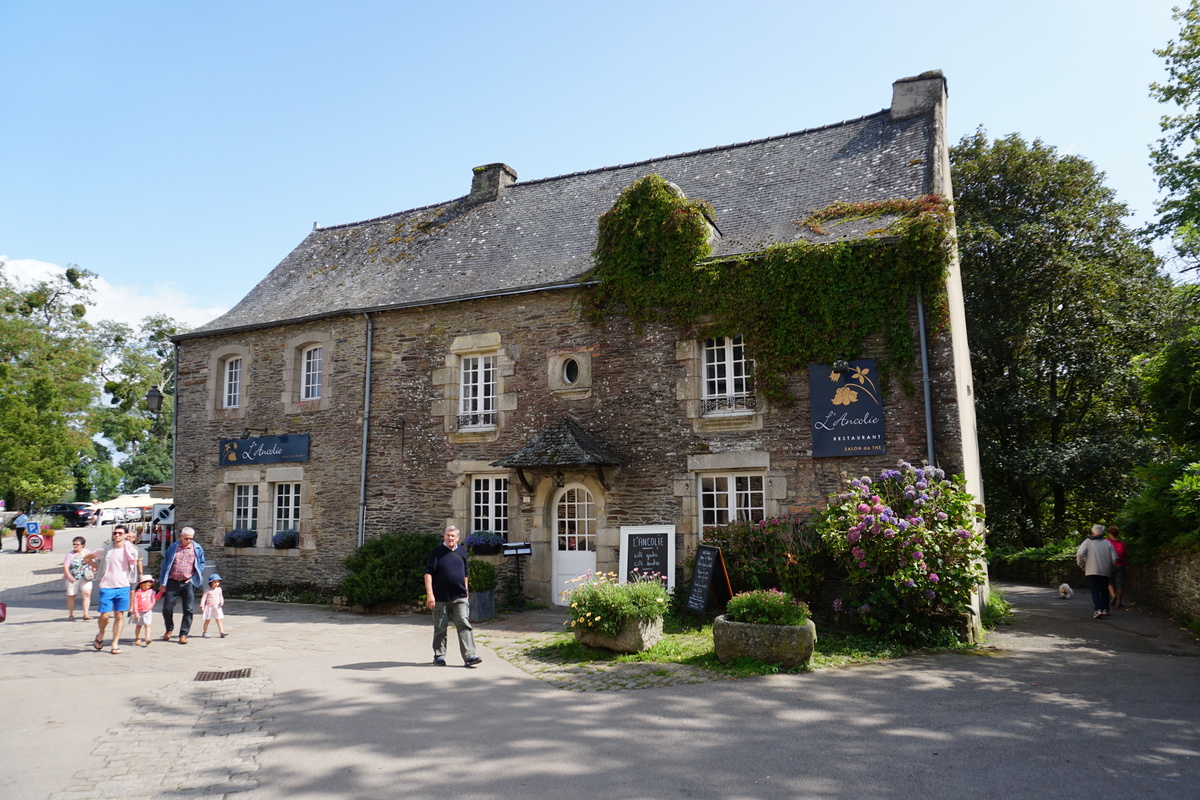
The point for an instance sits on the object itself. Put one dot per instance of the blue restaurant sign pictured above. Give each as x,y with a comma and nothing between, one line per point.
847,410
264,450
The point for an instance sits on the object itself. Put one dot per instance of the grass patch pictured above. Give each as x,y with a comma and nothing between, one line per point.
997,611
693,645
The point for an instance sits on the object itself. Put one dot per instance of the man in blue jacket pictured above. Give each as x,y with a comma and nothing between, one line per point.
182,573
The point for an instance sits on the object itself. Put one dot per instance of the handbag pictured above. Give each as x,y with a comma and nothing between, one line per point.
87,574
3,611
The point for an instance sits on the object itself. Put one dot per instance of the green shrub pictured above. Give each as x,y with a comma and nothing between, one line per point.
602,604
390,569
766,607
908,545
779,553
481,575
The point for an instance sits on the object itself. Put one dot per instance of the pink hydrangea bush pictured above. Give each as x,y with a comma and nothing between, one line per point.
910,547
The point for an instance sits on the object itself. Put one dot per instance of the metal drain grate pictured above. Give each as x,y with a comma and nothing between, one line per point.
222,676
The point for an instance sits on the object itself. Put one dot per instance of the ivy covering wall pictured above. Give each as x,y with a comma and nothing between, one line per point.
795,303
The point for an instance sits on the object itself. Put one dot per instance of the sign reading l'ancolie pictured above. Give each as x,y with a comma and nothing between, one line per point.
264,450
847,410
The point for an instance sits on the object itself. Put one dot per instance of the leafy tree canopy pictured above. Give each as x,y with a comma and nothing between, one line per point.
1061,294
1176,156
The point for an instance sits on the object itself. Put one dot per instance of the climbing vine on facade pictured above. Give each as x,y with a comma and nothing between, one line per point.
794,304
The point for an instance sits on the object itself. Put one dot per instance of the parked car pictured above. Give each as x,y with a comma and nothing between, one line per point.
76,514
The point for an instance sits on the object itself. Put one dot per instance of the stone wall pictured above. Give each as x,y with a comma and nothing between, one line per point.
418,466
1171,583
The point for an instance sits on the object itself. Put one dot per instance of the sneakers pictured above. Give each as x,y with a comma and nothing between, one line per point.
223,634
439,661
472,661
204,636
1098,615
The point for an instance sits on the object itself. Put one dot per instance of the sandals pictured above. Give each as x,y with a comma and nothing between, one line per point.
71,618
98,644
116,651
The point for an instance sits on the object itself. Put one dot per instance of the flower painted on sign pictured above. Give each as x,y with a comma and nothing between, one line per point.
844,396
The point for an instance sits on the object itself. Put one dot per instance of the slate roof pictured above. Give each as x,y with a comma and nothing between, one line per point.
541,233
562,444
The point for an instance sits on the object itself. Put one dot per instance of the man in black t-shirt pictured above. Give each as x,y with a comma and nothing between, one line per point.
446,596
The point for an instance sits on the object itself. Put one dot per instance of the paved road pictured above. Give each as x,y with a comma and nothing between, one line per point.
338,706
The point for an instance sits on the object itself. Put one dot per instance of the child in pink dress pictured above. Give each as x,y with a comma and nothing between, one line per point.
211,604
142,609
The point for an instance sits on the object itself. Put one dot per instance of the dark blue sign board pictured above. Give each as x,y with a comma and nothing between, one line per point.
847,410
264,450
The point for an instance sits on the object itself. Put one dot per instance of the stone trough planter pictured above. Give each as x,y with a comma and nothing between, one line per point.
790,645
636,636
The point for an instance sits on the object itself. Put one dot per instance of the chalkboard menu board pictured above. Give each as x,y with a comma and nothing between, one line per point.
648,549
708,576
647,555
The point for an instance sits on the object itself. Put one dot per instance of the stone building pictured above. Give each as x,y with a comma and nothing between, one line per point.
432,367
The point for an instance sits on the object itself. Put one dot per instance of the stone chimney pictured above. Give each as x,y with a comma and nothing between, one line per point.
912,97
489,182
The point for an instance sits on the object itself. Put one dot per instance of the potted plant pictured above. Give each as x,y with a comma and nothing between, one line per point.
767,625
285,540
484,543
481,590
625,617
241,538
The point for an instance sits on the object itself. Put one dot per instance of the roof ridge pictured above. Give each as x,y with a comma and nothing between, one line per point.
614,167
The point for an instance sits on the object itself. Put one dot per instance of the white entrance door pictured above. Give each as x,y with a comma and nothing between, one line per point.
574,537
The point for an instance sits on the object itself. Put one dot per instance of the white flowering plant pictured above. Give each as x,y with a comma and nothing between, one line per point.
909,544
600,602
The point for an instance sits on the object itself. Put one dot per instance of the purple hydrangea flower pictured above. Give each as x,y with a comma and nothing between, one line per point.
933,578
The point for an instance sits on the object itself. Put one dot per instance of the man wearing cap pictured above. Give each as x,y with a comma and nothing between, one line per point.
182,573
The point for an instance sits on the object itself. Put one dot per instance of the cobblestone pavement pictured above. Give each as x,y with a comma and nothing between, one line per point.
205,739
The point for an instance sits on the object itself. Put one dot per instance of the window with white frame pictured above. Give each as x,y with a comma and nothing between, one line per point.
477,392
245,507
232,384
287,507
310,380
731,498
489,505
575,517
728,386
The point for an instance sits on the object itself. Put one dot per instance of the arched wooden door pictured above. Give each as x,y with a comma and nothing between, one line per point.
574,543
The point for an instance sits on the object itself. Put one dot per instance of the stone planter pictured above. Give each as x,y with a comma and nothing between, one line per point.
481,605
790,645
636,636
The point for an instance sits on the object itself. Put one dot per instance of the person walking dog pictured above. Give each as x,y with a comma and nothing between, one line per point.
1096,558
182,574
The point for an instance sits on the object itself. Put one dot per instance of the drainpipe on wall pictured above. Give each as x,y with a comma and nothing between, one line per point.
925,378
366,433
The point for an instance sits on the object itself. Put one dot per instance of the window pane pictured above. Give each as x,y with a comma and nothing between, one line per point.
489,505
576,519
287,507
245,507
728,384
726,498
477,392
311,385
233,383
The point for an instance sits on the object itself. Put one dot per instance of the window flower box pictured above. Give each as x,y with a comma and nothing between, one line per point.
285,540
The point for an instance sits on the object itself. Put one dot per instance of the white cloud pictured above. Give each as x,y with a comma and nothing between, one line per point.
127,304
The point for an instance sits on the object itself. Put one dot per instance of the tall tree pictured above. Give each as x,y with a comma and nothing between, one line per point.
134,362
1176,156
1061,294
47,360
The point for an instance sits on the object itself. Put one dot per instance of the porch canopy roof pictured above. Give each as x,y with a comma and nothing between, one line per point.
562,444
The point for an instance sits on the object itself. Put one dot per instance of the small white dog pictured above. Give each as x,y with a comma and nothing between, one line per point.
1064,591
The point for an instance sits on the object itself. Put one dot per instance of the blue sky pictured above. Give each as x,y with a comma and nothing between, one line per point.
181,149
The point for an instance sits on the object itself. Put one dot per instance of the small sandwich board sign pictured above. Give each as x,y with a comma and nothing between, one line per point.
709,577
